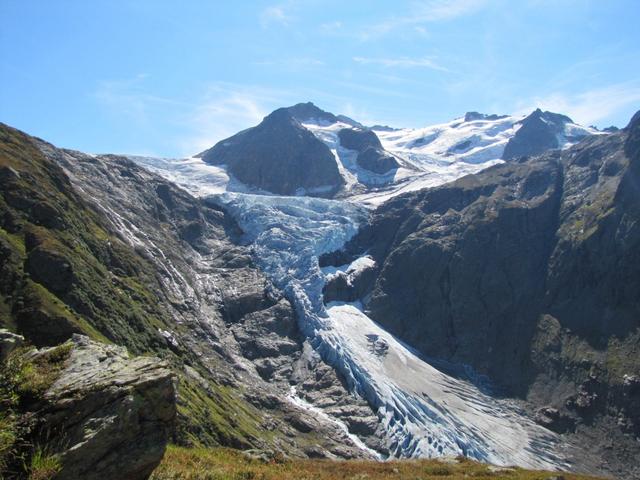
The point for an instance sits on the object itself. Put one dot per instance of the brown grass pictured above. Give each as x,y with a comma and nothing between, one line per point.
226,464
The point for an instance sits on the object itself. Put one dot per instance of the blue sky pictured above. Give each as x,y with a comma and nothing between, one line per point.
170,78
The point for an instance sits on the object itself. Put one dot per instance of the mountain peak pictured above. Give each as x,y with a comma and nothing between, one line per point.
634,123
309,111
548,116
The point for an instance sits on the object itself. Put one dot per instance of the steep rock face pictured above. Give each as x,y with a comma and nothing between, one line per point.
530,273
464,238
109,416
377,160
538,132
371,155
280,156
358,140
304,112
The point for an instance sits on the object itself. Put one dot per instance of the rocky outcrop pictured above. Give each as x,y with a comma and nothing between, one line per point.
279,156
474,116
377,161
349,285
108,415
538,133
9,341
360,140
371,155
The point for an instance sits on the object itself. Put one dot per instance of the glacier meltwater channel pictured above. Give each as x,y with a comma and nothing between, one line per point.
426,412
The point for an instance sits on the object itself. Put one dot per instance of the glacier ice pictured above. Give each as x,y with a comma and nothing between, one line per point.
426,412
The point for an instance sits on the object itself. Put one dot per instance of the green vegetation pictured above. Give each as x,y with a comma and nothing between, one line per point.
217,416
226,464
63,272
24,378
43,466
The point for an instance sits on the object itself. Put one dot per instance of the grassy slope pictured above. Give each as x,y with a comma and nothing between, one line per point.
225,464
110,293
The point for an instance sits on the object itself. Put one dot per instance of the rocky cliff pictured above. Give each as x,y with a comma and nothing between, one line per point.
529,272
371,155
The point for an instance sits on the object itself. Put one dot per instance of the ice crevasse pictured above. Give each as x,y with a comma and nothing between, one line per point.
425,411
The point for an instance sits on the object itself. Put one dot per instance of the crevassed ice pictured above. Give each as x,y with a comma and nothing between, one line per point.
426,412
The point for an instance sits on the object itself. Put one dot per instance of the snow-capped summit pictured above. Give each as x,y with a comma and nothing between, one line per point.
304,150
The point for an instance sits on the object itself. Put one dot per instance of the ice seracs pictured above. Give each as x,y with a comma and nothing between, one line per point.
425,410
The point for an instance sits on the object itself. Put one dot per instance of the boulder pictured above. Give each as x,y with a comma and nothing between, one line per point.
9,342
108,415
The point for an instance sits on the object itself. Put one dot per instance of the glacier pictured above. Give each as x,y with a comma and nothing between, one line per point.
427,408
425,411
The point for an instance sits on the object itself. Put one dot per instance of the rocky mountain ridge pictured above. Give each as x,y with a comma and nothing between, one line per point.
528,272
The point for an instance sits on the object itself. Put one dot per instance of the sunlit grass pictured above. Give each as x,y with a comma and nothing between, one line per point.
226,464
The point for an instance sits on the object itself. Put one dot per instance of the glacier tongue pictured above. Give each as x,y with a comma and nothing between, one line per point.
426,412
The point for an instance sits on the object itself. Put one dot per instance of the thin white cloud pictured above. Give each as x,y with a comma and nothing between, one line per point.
128,98
424,11
219,118
590,106
219,111
277,14
401,62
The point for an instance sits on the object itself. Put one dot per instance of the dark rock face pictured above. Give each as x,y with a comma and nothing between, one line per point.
308,112
456,240
349,286
371,155
538,133
358,140
377,160
280,156
114,415
304,112
473,116
529,272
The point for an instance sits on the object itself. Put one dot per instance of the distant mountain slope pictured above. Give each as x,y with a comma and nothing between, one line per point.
542,131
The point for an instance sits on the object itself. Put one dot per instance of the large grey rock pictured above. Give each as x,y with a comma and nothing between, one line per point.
9,341
108,415
280,156
358,139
